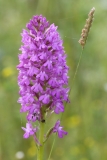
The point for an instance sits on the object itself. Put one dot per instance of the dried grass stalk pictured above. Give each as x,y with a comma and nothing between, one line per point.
87,27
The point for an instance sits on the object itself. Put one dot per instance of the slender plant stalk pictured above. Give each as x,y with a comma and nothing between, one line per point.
74,77
52,147
76,70
41,139
69,95
82,41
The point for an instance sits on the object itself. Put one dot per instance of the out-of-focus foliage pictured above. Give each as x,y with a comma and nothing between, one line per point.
85,117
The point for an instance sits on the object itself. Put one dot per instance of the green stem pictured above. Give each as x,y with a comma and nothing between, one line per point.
76,69
41,139
69,95
74,78
52,147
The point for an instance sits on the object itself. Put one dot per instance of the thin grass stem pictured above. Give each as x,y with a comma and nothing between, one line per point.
52,147
69,95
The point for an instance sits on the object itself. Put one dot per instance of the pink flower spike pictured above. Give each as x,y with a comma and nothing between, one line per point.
43,75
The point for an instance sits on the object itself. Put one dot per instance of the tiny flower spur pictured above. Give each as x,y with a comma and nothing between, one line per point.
42,78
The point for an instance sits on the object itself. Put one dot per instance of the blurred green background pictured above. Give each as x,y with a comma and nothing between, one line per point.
85,118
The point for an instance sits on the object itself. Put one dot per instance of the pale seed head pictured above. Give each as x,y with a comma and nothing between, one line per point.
87,26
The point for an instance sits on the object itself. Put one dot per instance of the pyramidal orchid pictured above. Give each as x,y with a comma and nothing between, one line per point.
42,78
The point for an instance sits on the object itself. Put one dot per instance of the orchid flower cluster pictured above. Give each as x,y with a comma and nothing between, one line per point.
42,76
